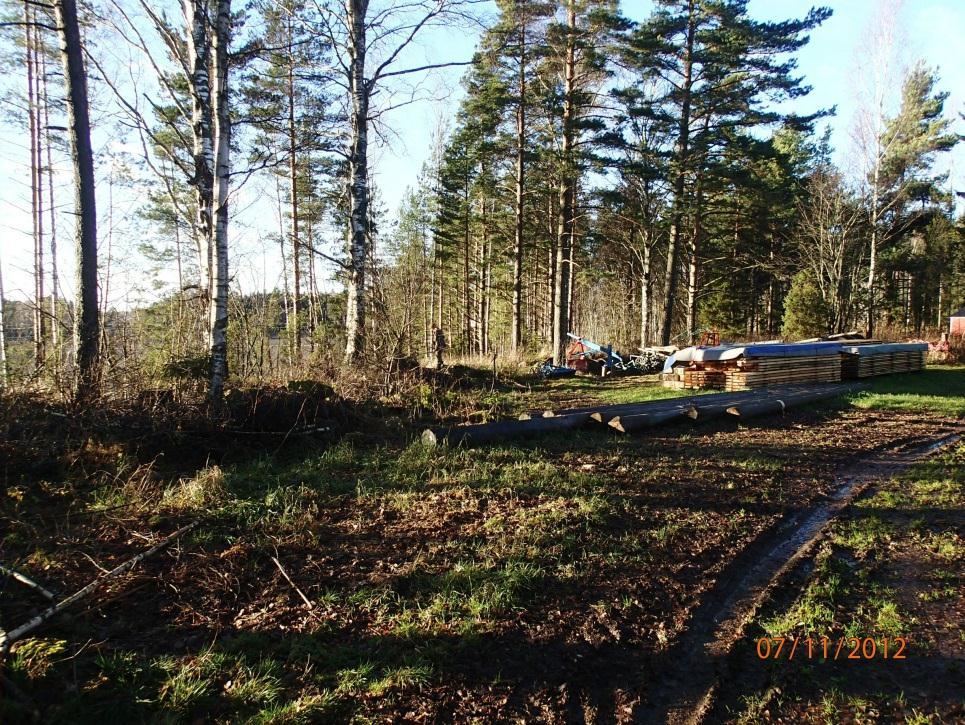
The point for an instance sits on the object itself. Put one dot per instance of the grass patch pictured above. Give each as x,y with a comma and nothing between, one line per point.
813,614
613,390
891,569
939,391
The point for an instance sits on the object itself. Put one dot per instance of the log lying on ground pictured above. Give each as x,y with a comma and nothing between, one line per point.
692,409
638,421
707,411
761,407
537,414
606,413
632,416
753,408
501,430
713,408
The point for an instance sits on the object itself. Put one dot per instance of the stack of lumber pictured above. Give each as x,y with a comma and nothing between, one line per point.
865,361
673,379
760,365
703,377
758,372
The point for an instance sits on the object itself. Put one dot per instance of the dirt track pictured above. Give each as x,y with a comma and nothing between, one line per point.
696,663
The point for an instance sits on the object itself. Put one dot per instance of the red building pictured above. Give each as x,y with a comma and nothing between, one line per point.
956,323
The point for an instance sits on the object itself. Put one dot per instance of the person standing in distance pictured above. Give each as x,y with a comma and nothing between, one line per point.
440,345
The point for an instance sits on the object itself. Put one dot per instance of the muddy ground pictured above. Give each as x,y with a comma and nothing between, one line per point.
543,581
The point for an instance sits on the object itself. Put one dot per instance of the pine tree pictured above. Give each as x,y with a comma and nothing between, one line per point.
718,68
293,127
86,317
904,188
511,52
575,71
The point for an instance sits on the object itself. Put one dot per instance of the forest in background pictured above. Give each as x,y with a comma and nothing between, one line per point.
636,182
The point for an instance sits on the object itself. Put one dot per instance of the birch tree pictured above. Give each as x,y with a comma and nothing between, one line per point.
372,43
3,336
204,59
218,254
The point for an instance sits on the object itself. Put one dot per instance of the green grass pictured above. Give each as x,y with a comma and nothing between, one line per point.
890,567
936,390
613,390
477,536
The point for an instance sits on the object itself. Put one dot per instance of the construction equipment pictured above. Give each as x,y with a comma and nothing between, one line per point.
586,355
584,349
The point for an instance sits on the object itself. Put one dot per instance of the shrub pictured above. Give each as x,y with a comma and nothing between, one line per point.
806,312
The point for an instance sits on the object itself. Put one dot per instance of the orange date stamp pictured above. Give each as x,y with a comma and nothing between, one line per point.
828,649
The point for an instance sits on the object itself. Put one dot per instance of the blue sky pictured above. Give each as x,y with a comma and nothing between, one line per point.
832,63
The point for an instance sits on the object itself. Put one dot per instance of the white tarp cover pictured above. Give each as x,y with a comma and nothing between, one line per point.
865,350
686,355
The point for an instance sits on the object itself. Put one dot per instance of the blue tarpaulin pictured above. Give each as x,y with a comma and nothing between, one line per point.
758,350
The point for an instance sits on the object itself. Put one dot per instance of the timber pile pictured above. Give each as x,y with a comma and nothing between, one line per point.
629,417
867,361
759,365
760,372
674,379
705,377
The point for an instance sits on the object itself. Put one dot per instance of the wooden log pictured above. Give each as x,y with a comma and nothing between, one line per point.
761,407
502,430
707,411
702,407
638,421
771,405
536,414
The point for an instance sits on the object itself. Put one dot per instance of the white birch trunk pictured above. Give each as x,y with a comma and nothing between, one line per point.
358,180
222,170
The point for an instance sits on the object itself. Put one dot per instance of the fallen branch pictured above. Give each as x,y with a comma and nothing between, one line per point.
294,586
23,579
10,637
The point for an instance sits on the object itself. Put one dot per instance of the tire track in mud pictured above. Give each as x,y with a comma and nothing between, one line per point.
691,668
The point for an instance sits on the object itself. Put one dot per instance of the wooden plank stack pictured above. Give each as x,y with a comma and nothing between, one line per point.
761,365
759,372
705,377
673,379
871,360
